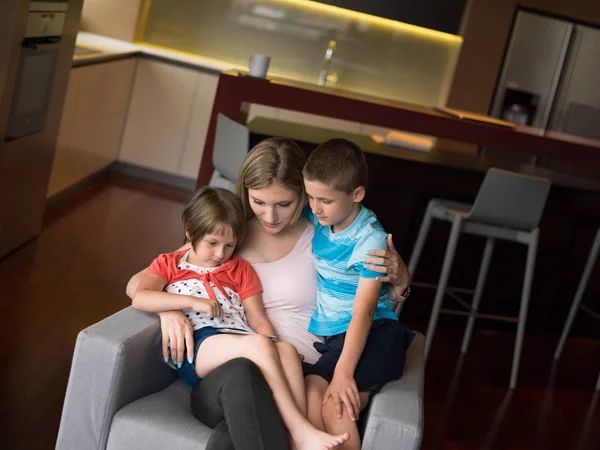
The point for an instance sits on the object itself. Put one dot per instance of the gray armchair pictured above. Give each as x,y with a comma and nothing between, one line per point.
121,395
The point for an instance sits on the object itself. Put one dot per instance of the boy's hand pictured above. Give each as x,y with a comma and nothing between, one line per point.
205,305
343,391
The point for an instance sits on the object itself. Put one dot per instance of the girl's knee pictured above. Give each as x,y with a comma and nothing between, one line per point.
284,346
287,350
260,344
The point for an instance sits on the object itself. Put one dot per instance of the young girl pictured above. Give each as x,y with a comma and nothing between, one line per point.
217,292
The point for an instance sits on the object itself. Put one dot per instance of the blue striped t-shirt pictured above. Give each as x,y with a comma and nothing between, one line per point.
339,259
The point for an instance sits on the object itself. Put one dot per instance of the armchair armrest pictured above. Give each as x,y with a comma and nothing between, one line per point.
116,361
395,417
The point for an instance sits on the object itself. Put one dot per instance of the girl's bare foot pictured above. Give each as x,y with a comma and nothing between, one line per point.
313,439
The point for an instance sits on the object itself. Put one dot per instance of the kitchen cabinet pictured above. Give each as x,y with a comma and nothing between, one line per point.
204,94
441,15
92,122
159,116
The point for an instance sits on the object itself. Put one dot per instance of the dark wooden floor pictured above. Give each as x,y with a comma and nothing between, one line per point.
75,273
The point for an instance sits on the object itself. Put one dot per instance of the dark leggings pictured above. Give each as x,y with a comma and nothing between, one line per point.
237,403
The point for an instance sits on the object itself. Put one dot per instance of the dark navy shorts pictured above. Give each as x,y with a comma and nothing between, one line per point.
382,359
188,371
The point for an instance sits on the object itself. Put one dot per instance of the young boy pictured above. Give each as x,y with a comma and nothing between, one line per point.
365,345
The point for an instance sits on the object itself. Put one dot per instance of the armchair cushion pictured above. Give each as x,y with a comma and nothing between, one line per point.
159,421
395,418
116,361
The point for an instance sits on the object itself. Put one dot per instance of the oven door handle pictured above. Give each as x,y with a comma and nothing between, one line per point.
42,46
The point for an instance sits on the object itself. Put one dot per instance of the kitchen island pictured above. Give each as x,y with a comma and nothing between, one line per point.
236,91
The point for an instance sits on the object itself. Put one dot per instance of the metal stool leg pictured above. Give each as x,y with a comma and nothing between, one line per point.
579,294
423,231
529,270
441,289
485,264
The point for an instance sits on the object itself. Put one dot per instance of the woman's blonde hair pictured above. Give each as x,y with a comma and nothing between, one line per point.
274,160
209,210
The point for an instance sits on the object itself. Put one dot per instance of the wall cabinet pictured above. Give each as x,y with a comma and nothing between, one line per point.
441,15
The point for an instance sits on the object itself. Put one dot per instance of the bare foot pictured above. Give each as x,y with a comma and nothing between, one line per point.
313,439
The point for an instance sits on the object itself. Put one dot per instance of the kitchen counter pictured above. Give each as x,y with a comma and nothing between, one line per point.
92,49
235,91
102,49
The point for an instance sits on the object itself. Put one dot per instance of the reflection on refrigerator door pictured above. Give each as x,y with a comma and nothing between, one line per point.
532,68
577,106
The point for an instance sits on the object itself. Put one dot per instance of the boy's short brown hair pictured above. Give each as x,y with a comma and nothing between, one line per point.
209,210
338,163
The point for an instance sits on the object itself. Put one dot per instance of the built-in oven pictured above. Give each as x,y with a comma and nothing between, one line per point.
37,66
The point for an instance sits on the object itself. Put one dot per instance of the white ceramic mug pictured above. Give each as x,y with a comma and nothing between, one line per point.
258,65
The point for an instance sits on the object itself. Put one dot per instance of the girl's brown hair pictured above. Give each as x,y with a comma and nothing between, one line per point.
274,160
209,210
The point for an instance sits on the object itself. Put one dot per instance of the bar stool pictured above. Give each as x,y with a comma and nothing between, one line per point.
230,149
577,304
509,207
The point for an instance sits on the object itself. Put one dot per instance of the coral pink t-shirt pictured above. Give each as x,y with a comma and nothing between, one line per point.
230,284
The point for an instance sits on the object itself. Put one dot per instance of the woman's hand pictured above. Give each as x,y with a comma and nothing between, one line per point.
389,263
177,330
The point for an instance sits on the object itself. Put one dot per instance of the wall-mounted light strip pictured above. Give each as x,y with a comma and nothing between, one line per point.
142,20
374,20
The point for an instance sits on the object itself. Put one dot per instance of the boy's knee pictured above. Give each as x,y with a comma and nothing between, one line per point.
315,383
328,410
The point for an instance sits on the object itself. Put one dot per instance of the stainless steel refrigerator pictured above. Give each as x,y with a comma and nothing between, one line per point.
550,78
